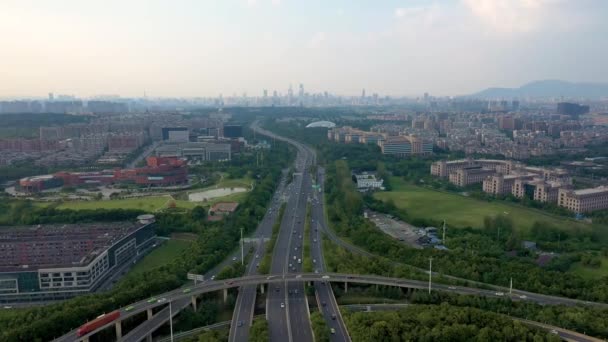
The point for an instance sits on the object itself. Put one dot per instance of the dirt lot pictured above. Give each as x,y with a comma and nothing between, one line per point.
399,230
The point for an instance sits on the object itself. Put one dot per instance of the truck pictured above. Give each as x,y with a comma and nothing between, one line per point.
98,323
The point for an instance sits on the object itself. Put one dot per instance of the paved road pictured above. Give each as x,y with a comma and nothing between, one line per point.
287,306
280,279
245,302
324,293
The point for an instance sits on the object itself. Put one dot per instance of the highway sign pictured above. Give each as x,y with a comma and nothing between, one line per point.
197,277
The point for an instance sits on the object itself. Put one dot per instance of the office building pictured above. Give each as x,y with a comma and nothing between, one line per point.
176,134
584,200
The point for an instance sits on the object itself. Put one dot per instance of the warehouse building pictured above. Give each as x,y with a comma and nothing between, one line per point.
54,262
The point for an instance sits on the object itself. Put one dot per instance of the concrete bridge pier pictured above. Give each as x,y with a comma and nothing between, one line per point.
225,295
345,287
149,311
194,304
118,327
85,339
149,338
262,288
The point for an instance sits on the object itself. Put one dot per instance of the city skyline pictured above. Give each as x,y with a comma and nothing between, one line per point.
397,48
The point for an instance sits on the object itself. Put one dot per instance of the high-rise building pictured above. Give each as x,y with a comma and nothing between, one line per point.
572,109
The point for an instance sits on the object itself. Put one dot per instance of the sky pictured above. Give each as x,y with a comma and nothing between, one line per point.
190,48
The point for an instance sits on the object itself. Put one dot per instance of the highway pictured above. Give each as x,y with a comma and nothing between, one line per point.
280,279
324,293
245,302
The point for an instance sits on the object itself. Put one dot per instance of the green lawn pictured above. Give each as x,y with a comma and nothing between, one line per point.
461,211
161,255
591,273
150,204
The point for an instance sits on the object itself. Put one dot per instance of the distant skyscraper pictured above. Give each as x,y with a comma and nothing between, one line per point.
363,93
290,95
301,93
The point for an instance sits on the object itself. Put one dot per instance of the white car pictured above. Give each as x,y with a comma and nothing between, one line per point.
282,305
523,297
500,294
162,300
325,277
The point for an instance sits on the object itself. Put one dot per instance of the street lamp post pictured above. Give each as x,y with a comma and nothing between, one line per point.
171,321
430,273
242,248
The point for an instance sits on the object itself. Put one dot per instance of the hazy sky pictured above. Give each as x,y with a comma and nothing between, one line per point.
207,47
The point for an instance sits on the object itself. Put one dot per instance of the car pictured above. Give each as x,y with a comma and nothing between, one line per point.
129,308
152,300
332,330
277,289
233,258
162,300
523,297
295,291
316,271
314,240
554,332
186,290
314,261
257,265
282,305
500,294
298,276
212,277
333,316
8,307
451,287
257,256
240,324
325,277
324,303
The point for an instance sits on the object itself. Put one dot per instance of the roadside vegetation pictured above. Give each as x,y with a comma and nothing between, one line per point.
319,327
440,323
267,259
307,265
259,330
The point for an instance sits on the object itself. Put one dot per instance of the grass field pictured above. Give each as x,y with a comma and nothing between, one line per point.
161,255
460,211
150,204
591,273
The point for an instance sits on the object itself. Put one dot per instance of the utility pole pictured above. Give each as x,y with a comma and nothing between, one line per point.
511,286
242,248
443,240
171,320
430,273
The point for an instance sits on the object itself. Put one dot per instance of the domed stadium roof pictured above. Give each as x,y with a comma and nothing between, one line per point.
326,124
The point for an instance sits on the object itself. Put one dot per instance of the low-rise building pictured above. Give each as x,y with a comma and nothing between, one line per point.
469,175
61,261
368,181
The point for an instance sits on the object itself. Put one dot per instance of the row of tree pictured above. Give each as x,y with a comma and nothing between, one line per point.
440,323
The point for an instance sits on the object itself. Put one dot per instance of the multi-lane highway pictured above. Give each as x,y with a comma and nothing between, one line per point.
287,307
324,293
245,302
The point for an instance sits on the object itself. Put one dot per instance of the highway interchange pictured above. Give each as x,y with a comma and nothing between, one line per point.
287,308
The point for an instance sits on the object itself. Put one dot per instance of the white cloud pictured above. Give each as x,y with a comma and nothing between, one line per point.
276,2
511,16
251,3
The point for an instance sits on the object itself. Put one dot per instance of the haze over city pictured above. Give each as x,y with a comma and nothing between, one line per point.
206,48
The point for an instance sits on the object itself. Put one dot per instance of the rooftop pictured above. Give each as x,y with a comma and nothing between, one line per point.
67,245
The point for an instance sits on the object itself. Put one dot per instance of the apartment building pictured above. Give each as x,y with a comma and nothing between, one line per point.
500,184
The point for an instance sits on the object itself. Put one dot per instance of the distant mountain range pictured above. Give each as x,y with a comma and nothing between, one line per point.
547,88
